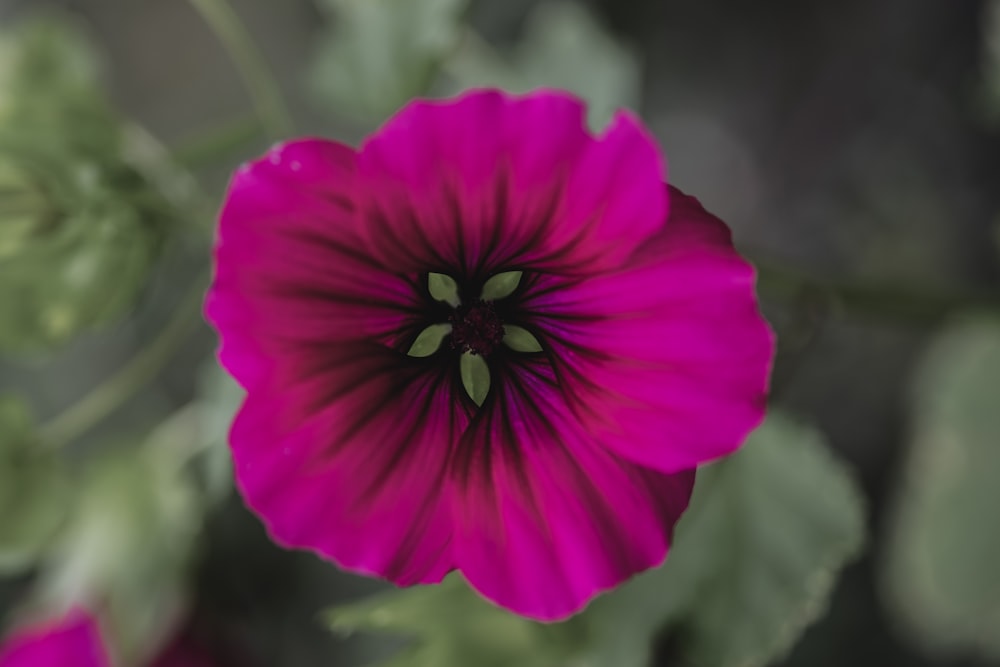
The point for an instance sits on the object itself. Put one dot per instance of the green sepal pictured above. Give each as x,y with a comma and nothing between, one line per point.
501,285
520,339
443,288
429,340
475,376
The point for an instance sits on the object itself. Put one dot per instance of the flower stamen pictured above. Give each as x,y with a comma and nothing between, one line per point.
476,328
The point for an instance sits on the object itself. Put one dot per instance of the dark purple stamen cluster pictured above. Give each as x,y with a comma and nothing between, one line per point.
476,328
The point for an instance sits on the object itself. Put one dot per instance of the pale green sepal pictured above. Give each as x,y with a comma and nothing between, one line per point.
443,288
475,376
501,285
429,340
520,339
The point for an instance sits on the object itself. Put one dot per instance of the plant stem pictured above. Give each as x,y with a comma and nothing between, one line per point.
143,367
258,78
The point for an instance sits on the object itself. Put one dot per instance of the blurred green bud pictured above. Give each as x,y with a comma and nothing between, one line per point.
34,489
82,273
49,86
80,224
24,208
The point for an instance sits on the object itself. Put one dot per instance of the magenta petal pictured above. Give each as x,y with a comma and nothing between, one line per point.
329,448
291,268
349,461
489,182
570,477
668,357
546,517
71,641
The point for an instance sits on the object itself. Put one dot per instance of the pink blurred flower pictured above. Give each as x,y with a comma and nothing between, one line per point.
73,640
571,474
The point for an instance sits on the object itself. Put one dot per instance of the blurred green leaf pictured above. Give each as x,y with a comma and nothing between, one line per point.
79,224
563,46
380,53
219,397
753,563
34,490
451,626
127,546
941,574
754,559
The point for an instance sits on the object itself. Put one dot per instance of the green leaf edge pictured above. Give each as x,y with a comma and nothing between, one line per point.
823,581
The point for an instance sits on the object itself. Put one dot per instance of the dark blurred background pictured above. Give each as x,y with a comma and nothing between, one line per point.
846,140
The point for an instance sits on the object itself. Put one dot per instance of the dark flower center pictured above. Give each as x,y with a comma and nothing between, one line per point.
476,328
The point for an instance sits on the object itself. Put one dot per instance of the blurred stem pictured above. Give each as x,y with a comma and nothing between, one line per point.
179,439
886,302
144,152
143,367
208,147
258,78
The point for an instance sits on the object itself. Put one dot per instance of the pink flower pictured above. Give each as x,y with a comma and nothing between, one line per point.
73,640
627,351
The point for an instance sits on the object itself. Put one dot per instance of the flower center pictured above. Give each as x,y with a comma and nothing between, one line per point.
476,328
